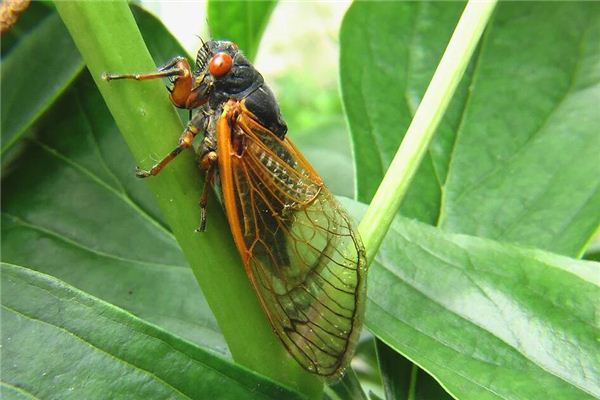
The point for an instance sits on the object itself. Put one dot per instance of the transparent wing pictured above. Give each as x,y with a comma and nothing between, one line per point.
301,251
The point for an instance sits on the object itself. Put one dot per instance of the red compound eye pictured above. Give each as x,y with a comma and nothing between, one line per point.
220,64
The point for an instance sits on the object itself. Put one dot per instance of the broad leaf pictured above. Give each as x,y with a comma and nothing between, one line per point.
72,208
540,184
84,218
489,320
404,380
388,53
396,372
34,74
242,22
97,346
45,50
518,159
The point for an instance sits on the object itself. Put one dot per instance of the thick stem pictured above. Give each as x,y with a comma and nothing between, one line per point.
393,187
150,125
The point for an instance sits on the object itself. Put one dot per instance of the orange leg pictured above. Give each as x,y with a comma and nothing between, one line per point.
183,93
185,141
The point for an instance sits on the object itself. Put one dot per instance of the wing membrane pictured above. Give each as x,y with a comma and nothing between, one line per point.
299,247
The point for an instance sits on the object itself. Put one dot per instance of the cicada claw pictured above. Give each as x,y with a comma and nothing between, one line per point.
142,173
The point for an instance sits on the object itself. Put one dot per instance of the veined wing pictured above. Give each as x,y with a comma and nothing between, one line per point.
299,247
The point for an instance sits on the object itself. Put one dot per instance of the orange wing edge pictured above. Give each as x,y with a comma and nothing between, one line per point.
225,152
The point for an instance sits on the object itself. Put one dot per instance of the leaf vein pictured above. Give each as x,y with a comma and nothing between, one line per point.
96,179
92,346
84,247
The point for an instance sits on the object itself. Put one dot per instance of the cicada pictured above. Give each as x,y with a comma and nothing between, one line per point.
299,247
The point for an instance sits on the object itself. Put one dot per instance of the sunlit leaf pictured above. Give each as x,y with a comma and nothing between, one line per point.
516,156
488,320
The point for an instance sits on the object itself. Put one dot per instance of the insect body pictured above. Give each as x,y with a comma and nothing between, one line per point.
298,246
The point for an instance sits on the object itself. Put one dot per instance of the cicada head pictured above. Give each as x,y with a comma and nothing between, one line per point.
222,72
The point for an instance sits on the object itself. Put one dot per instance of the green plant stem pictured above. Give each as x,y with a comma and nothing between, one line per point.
151,126
395,183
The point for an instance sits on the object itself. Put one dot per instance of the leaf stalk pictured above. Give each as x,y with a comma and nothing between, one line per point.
392,190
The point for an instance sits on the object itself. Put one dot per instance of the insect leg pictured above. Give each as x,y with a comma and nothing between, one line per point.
208,163
170,69
183,94
197,124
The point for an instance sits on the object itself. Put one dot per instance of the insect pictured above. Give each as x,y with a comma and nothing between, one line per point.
299,248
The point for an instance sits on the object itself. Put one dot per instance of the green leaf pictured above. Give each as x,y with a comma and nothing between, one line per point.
99,350
388,53
35,73
373,396
85,219
396,372
426,387
35,36
516,155
540,183
242,22
593,250
404,380
488,320
107,236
